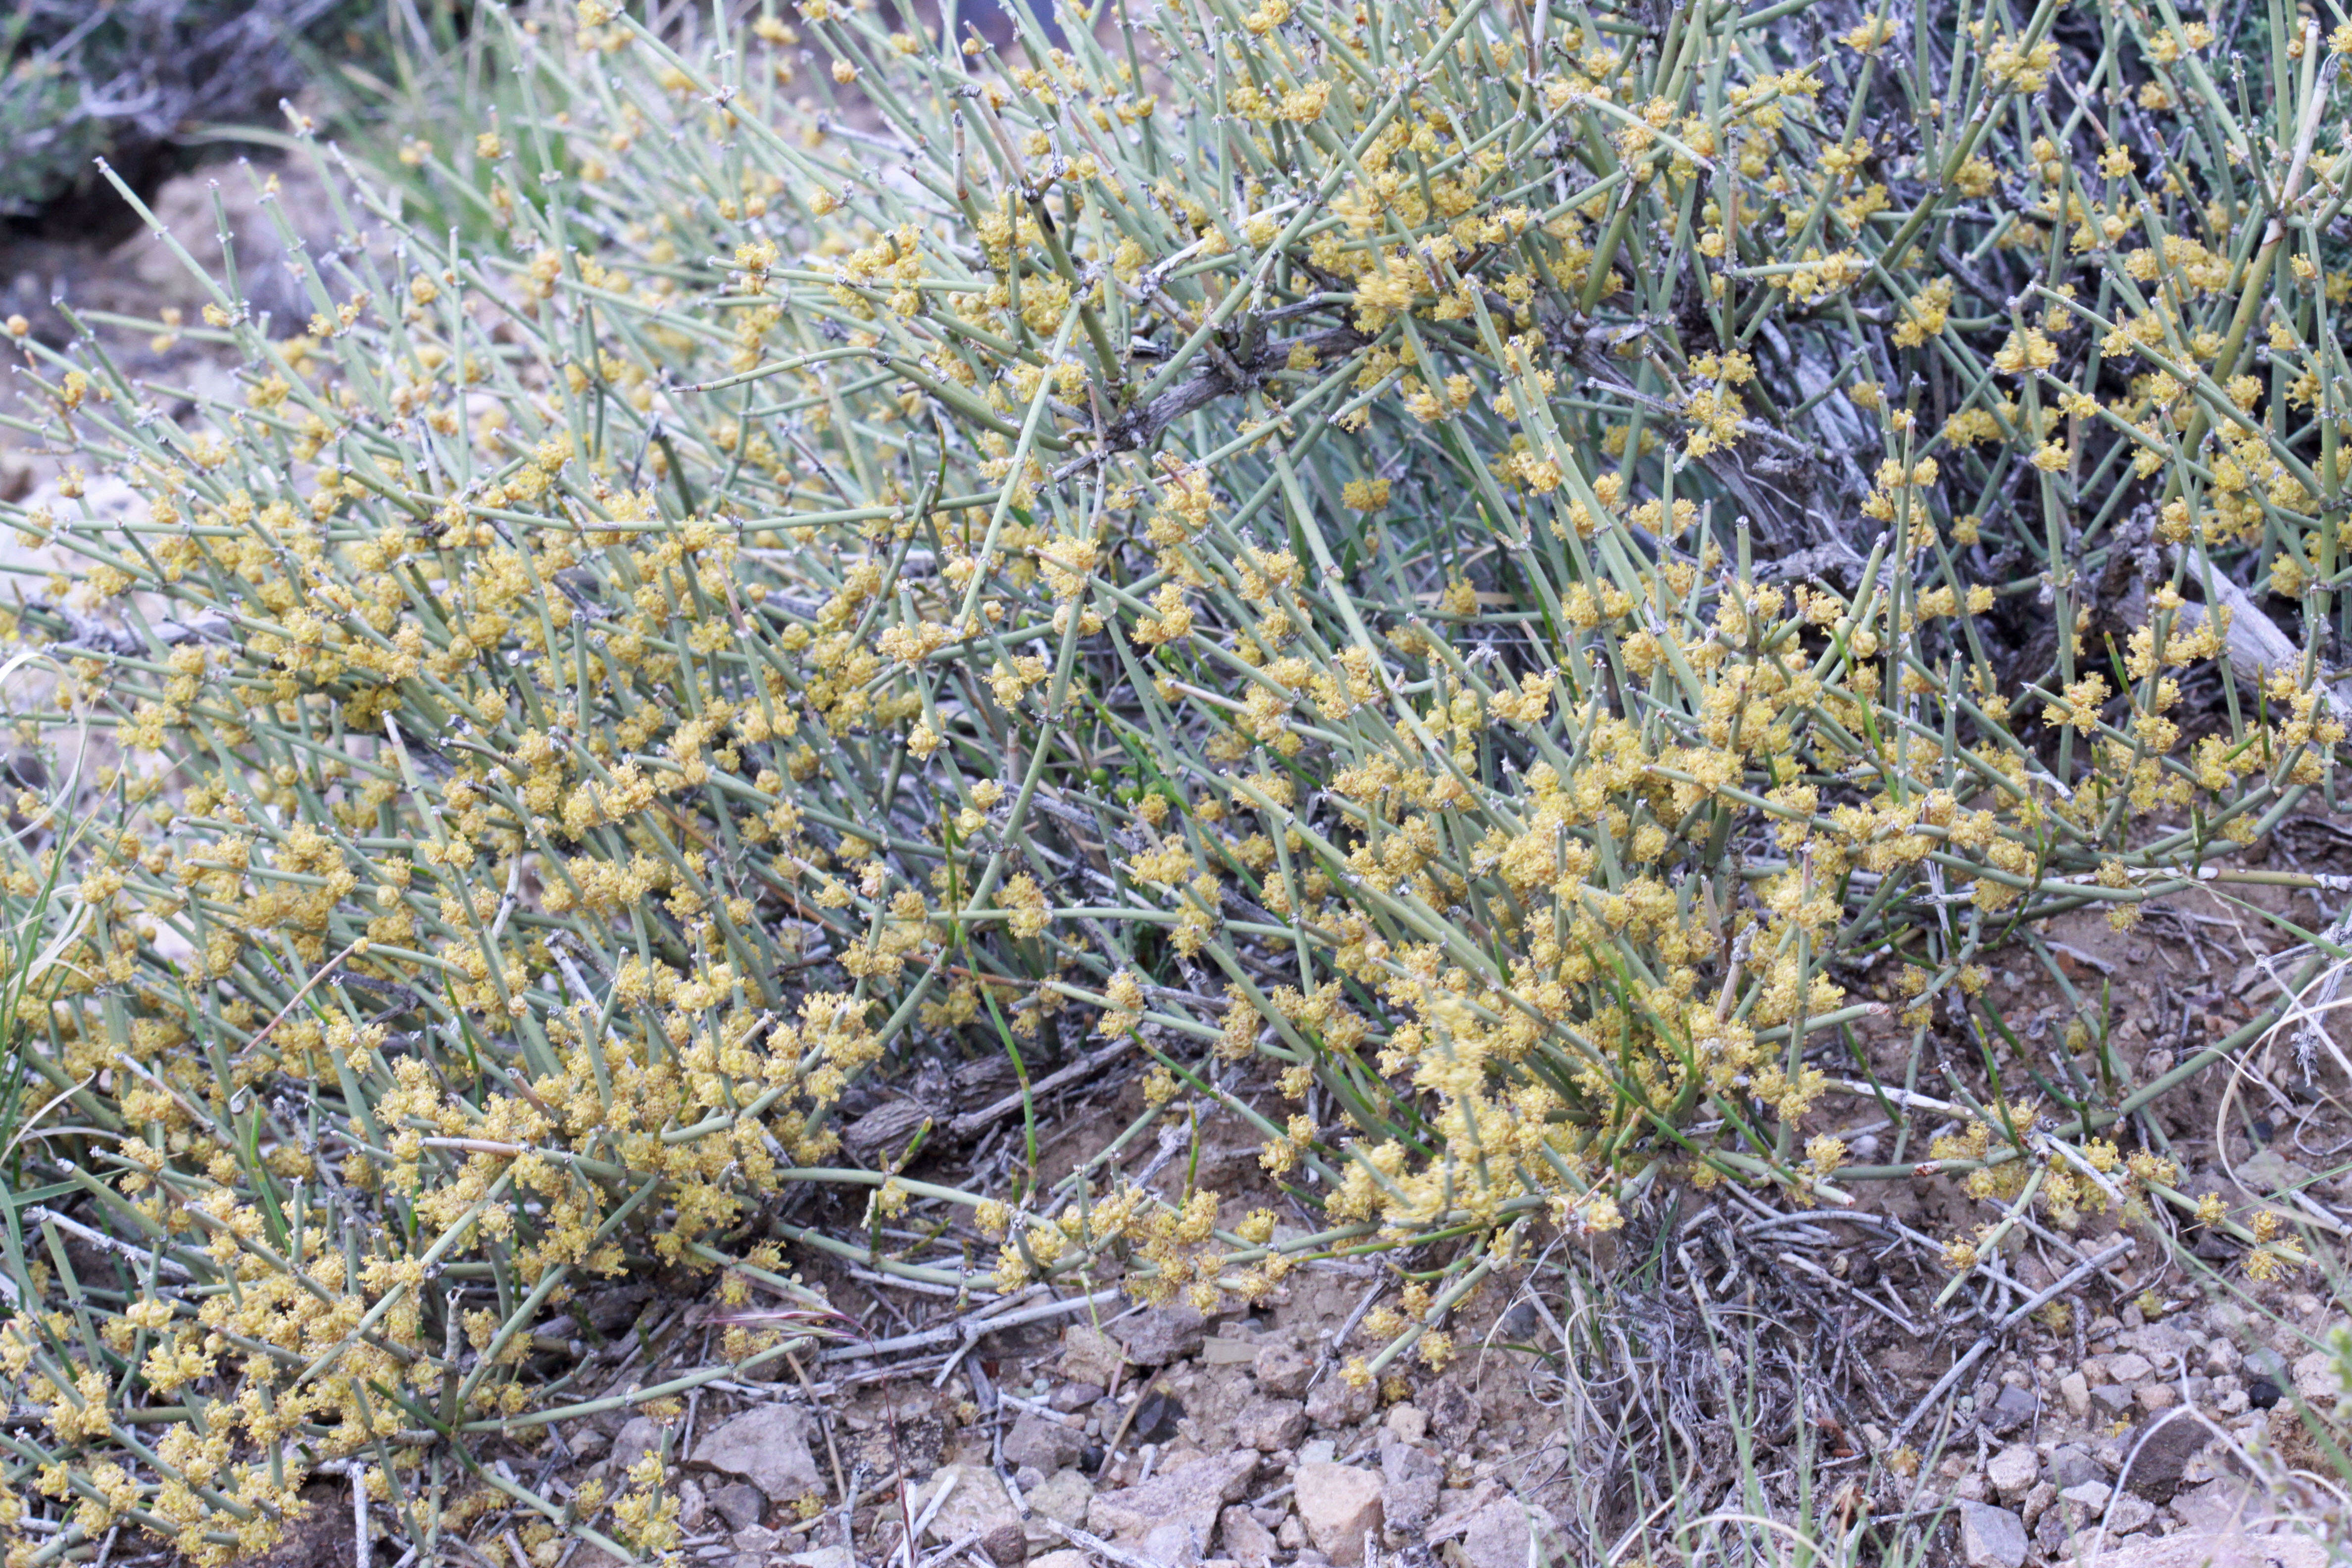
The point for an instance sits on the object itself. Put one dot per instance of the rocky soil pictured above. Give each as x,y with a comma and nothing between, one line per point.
1161,1438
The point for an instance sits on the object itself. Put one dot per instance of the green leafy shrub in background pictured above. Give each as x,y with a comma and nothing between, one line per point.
1459,577
130,81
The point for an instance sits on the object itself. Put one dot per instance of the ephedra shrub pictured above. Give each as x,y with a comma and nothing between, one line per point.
1452,576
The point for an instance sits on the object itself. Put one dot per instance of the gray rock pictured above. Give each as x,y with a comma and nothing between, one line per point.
1169,1545
2012,1408
2164,1344
2015,1470
1191,1495
1163,1334
1340,1505
2077,1390
1336,1402
1156,1417
977,1504
1267,1425
1522,1325
2128,1514
1411,1479
2071,1465
2111,1400
1241,1538
820,1557
2199,1549
1043,1442
1067,1557
1457,1508
740,1504
2091,1497
1070,1398
2223,1503
1216,1401
1090,1356
1282,1370
1453,1413
638,1436
2052,1533
1991,1537
767,1446
1064,1496
2175,1438
2316,1377
2267,1173
1506,1533
693,1507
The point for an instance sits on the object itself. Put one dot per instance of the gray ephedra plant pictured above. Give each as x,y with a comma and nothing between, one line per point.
1452,574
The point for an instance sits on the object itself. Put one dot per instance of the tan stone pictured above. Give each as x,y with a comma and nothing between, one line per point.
2214,1549
1191,1495
976,1504
1340,1505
